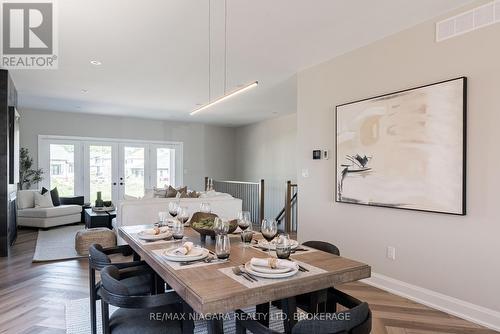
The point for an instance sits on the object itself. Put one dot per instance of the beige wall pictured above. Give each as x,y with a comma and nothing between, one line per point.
266,150
456,256
208,149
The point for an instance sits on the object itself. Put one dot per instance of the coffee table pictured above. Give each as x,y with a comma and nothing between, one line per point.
99,219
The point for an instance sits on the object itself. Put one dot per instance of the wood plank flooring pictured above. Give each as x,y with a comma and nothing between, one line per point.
32,298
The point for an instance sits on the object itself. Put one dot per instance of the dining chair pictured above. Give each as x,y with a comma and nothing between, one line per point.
98,259
356,319
316,301
137,314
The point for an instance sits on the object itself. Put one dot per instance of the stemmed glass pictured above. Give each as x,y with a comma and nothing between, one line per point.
244,220
182,214
221,225
205,207
269,229
172,208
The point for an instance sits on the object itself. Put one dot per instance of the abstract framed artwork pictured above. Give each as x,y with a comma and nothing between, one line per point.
404,150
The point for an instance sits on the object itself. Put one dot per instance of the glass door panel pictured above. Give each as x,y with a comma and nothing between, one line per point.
101,172
62,168
164,172
133,163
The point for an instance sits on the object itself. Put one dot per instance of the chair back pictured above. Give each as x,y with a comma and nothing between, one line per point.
323,246
97,258
111,282
356,320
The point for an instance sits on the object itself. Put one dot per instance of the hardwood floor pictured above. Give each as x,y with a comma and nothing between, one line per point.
32,298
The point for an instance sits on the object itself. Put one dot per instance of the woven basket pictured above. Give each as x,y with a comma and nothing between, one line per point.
101,235
197,216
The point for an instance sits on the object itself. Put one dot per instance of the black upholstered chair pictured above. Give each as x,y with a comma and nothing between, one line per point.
316,301
357,319
137,314
98,259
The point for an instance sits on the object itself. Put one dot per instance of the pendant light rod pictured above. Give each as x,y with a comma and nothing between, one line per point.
225,97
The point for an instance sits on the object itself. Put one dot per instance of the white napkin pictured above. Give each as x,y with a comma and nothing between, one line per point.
273,263
153,231
184,249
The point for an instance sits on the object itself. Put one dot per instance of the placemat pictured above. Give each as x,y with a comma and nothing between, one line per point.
177,265
267,281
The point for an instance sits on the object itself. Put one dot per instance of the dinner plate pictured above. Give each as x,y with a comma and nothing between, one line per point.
197,253
272,245
269,270
151,237
248,268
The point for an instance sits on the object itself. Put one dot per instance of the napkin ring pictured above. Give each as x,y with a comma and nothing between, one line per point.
272,262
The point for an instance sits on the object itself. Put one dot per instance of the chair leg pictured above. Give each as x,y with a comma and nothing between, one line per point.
239,328
105,317
93,317
215,326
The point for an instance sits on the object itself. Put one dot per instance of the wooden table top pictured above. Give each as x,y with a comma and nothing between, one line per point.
209,291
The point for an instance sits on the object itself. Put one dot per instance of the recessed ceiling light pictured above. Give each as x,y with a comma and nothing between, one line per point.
84,91
95,62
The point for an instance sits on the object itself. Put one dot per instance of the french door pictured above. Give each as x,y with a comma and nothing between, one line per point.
116,169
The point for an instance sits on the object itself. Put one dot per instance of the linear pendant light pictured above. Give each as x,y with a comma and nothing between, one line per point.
226,95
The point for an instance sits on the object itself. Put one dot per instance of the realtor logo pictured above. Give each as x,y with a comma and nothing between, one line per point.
29,35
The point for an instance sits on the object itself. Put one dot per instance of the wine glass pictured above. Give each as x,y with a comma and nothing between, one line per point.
283,246
172,208
205,207
247,235
269,229
183,214
222,246
244,220
178,230
221,225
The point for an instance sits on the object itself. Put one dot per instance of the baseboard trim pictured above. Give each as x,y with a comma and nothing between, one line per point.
462,309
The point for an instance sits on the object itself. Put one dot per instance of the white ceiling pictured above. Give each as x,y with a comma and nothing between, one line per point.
155,61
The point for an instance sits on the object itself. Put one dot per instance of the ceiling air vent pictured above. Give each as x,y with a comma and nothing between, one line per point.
468,21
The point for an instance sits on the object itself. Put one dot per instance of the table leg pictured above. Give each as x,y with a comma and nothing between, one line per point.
289,309
215,326
262,311
187,323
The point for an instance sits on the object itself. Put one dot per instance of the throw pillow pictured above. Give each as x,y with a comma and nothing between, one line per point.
54,194
159,192
171,192
25,199
193,194
179,192
43,201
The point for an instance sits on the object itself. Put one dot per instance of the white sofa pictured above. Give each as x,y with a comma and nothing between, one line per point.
28,215
145,211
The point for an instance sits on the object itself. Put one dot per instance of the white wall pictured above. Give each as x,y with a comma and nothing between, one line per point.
456,256
208,149
266,150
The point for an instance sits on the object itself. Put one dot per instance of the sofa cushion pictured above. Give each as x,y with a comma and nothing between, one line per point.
26,199
55,211
54,194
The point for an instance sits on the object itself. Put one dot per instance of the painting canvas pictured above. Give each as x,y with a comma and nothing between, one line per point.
404,150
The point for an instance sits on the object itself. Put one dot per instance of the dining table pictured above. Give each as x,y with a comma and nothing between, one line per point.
214,289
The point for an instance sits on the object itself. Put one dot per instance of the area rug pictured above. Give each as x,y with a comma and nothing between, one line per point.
78,319
58,243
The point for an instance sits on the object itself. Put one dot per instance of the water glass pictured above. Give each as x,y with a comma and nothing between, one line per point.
246,236
221,226
178,230
222,246
205,208
283,246
162,218
244,220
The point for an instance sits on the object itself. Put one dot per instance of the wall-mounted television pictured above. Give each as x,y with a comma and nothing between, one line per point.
13,145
